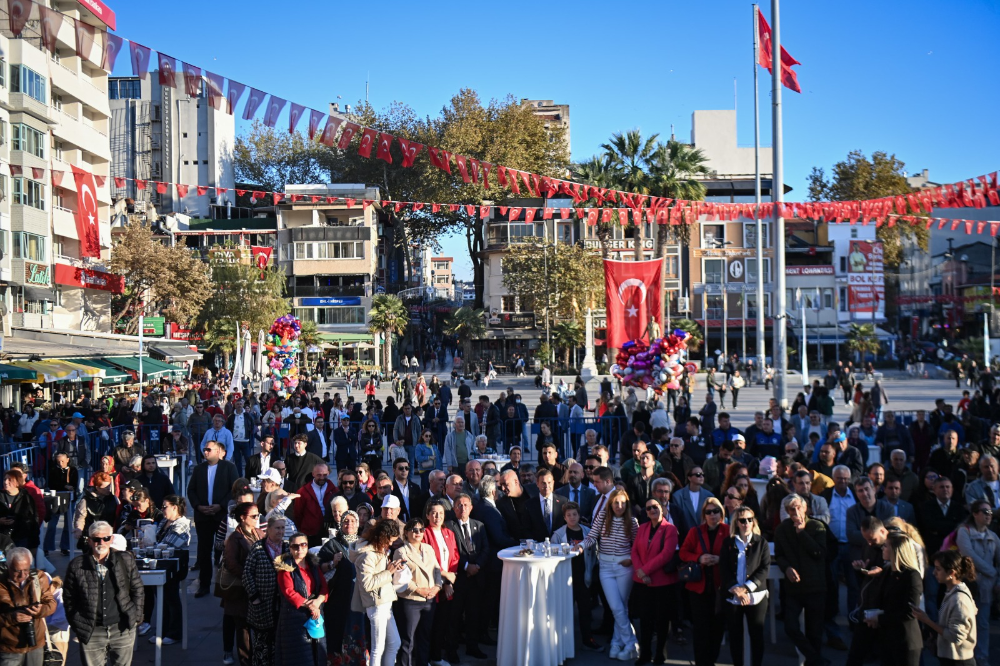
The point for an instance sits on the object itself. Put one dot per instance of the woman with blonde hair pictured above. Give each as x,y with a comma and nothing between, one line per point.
900,593
704,544
747,584
617,530
909,530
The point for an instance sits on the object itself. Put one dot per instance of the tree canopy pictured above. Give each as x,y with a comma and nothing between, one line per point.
572,276
241,293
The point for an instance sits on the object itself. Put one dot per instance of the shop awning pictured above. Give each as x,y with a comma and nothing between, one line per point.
345,337
112,374
150,366
13,373
172,353
39,294
60,371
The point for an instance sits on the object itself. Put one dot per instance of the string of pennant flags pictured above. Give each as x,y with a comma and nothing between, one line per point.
341,132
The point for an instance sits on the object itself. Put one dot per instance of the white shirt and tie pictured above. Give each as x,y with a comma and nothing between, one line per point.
404,490
546,503
602,504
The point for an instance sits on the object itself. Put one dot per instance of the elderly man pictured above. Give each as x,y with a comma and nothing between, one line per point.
436,484
25,598
312,504
986,487
127,450
103,596
897,470
589,442
673,459
219,433
458,446
513,506
270,480
800,553
473,476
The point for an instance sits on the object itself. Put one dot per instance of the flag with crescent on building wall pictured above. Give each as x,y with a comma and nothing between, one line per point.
87,223
633,299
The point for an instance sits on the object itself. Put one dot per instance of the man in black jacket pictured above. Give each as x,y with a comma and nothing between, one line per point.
209,493
156,482
104,608
473,551
299,464
938,517
513,506
262,460
410,496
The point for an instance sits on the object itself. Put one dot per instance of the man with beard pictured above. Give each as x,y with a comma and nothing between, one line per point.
513,506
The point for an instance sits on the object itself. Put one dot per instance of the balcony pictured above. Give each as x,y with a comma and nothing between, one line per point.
67,80
30,219
81,132
357,290
24,103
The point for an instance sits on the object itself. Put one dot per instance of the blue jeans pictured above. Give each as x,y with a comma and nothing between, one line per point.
50,532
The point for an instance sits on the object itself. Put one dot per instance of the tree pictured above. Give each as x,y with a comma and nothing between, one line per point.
858,178
466,323
674,171
568,335
388,317
861,340
158,278
309,334
694,332
240,295
597,172
273,158
569,279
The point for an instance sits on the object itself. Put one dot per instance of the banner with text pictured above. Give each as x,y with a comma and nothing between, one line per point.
865,277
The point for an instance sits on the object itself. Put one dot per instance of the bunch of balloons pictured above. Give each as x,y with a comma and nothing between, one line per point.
282,344
655,366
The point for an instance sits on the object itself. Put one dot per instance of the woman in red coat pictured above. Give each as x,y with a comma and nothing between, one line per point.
655,589
444,638
703,545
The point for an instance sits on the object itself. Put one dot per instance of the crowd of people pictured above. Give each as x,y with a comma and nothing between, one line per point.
355,532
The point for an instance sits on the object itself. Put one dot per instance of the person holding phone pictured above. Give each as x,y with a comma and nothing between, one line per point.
374,592
956,625
900,593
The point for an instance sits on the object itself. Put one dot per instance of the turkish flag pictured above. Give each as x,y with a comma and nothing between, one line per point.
261,255
384,143
366,142
274,107
112,47
140,59
51,21
182,190
788,78
84,39
314,118
350,129
254,101
410,151
295,112
460,161
202,190
119,182
168,70
86,213
214,85
632,297
192,79
440,158
330,131
161,188
233,94
18,12
140,184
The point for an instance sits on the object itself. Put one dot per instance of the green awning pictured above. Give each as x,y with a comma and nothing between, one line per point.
15,374
345,337
150,366
112,374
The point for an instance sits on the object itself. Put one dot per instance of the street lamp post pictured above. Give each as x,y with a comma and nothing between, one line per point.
721,245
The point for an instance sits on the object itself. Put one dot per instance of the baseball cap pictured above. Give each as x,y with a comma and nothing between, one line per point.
271,474
390,502
840,438
739,438
77,415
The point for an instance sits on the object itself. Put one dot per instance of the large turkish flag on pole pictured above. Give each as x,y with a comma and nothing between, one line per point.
632,294
86,213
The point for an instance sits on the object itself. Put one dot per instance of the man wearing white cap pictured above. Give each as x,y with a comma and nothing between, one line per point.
270,480
390,511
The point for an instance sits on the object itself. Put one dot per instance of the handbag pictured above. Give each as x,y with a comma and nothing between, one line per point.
675,560
691,572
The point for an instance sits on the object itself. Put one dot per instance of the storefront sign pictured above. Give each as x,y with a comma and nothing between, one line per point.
330,300
89,279
809,270
865,277
514,320
222,256
36,273
618,244
177,332
731,252
101,11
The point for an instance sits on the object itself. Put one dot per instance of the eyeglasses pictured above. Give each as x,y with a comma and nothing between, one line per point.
345,482
744,521
403,468
417,530
296,546
696,474
986,512
207,449
589,467
712,512
253,515
652,508
105,539
387,489
733,497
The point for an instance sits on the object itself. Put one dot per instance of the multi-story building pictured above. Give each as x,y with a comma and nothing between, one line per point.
54,115
442,279
160,133
329,253
554,115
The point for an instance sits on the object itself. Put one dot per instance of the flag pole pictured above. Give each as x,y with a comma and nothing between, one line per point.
778,196
761,312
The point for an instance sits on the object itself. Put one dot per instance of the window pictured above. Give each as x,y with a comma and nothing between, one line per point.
330,250
712,235
3,73
750,303
57,102
29,82
854,233
508,303
125,89
3,132
751,264
4,243
670,267
750,234
520,231
27,138
29,246
59,297
828,299
29,193
3,189
713,270
843,264
340,315
714,309
843,299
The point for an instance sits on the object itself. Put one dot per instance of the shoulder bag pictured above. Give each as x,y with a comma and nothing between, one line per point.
690,572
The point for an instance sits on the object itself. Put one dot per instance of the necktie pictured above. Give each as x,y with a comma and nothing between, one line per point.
468,537
600,505
576,495
548,514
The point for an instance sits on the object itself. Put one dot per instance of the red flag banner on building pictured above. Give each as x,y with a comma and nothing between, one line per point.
261,255
215,84
192,79
86,213
295,112
112,47
140,59
84,39
632,298
18,12
51,21
274,108
788,78
168,70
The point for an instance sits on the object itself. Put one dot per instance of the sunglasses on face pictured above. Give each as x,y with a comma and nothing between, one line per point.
696,474
208,450
105,539
387,489
986,512
652,509
712,512
296,546
417,530
744,521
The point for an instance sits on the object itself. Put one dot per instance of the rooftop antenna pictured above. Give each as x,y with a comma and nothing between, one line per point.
672,137
367,76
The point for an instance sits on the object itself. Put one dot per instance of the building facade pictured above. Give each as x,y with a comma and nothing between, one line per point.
54,115
159,133
442,278
553,115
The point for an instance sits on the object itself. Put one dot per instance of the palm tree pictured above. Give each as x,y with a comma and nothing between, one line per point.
862,340
388,317
675,167
631,160
466,323
568,335
694,339
597,172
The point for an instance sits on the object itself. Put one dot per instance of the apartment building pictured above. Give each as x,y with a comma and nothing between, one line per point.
159,133
442,278
54,115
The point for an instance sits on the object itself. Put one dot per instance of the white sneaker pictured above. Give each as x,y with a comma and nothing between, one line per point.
165,640
144,628
227,658
614,652
440,662
627,655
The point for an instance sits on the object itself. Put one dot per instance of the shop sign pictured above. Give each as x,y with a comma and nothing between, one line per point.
177,332
89,279
36,273
330,300
514,320
229,256
808,270
617,244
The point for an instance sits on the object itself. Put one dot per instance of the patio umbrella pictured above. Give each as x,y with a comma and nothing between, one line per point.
247,354
260,367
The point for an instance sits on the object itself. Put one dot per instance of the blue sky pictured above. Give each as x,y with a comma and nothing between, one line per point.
913,78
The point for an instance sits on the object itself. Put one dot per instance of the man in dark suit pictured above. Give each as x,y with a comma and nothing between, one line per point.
545,510
345,445
209,493
411,498
686,503
496,530
576,491
938,517
867,505
900,507
318,442
474,551
513,505
436,418
261,461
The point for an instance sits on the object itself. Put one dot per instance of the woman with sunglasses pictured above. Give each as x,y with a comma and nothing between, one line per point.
979,543
617,529
655,591
230,581
345,628
414,611
174,531
374,592
744,565
703,545
426,457
303,591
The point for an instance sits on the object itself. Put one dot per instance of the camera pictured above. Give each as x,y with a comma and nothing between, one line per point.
29,634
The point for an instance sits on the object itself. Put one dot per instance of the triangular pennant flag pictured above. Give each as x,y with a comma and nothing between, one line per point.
15,169
453,208
168,70
219,191
140,59
332,200
435,208
240,193
295,112
330,132
503,210
182,190
350,202
410,151
350,129
202,190
417,206
112,47
994,228
37,173
315,199
367,142
258,195
277,196
484,212
84,39
564,213
513,213
470,210
192,79
274,108
398,207
366,203
314,119
384,144
161,188
140,184
486,174
254,101
119,182
233,95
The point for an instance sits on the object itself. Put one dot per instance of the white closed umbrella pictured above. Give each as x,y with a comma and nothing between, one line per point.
247,354
236,383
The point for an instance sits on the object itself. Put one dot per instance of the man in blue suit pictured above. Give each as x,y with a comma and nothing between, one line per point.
577,491
685,505
444,393
893,489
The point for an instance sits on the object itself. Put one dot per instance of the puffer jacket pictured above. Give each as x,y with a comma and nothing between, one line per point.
374,582
260,580
12,638
82,592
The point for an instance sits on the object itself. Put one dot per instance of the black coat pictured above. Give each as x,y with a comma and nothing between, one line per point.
260,580
758,562
934,525
82,592
899,592
225,476
299,470
159,486
539,531
480,552
417,500
515,515
255,467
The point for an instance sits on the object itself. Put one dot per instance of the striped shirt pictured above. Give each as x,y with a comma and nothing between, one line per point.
616,544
